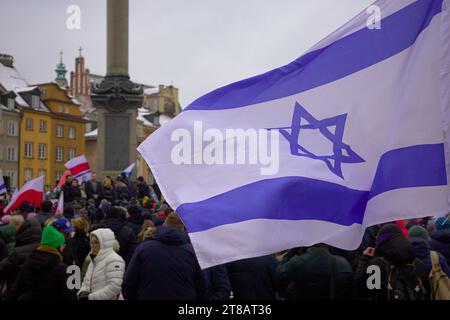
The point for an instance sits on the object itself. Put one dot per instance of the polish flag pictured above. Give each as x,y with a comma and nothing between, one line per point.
32,191
63,179
79,168
60,207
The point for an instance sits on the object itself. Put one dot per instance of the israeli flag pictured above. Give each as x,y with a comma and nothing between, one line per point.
129,169
351,134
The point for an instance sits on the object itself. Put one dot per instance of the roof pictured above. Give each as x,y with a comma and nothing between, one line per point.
163,119
142,113
92,133
11,79
151,91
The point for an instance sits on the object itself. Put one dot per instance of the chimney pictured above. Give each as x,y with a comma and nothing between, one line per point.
7,60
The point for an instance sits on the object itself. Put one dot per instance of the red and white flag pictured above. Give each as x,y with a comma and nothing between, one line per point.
63,179
79,168
60,207
32,191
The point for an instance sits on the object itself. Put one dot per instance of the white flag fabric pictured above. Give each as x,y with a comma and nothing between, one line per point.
129,169
79,168
60,207
2,184
349,135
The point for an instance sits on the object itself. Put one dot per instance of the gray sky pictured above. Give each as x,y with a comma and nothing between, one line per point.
199,45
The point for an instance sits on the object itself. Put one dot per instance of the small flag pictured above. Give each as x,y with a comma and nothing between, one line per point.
129,169
60,207
32,191
79,168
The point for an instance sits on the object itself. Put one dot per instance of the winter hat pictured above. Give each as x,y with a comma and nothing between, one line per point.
418,232
442,223
388,231
63,224
52,237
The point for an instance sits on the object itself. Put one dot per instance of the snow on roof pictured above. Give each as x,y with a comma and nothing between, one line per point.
151,91
163,119
92,133
141,117
25,89
11,79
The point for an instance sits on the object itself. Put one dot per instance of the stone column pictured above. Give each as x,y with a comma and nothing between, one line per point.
117,42
116,98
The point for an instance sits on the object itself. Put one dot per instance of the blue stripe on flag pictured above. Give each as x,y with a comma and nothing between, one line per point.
300,198
344,57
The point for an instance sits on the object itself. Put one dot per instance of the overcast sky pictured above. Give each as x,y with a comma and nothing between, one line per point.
198,45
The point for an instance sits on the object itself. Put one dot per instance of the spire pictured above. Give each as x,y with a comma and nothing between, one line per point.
80,50
61,72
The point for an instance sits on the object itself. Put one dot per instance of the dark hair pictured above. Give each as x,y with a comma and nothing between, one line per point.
68,212
141,178
114,212
134,210
47,206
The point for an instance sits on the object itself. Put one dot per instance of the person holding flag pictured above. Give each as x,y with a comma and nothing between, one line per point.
79,168
3,190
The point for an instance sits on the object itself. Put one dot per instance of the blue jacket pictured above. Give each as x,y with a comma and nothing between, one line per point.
164,268
440,242
422,249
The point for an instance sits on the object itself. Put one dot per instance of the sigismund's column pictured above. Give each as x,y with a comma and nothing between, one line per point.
116,98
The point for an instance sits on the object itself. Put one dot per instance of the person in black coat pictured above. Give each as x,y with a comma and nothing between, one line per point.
46,212
80,240
165,267
135,219
122,192
43,276
27,240
143,188
125,235
253,279
395,258
218,283
440,239
94,189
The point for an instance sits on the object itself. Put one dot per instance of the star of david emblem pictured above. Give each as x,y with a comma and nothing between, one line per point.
303,120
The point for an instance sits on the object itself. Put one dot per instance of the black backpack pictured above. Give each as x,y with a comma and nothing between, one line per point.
403,283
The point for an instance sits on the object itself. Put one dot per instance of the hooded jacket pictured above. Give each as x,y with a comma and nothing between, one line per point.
440,242
164,268
103,279
422,249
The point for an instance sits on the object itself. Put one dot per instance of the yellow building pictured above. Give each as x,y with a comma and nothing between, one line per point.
66,130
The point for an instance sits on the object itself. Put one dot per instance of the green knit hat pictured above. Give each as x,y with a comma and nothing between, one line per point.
52,237
418,232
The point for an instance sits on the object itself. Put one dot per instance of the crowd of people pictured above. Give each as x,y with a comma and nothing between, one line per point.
127,243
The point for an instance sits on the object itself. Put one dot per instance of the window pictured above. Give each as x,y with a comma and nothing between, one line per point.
28,124
72,132
72,153
35,101
66,109
59,175
10,104
28,174
12,178
59,154
12,128
44,92
59,131
11,153
60,109
42,173
43,126
28,150
42,151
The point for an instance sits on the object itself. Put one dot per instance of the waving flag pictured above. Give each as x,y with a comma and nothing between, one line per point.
2,184
79,168
355,128
32,191
60,207
129,169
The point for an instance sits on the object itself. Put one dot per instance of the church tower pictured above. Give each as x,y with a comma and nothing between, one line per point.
61,73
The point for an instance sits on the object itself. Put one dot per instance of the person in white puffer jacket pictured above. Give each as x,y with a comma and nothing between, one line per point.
103,279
